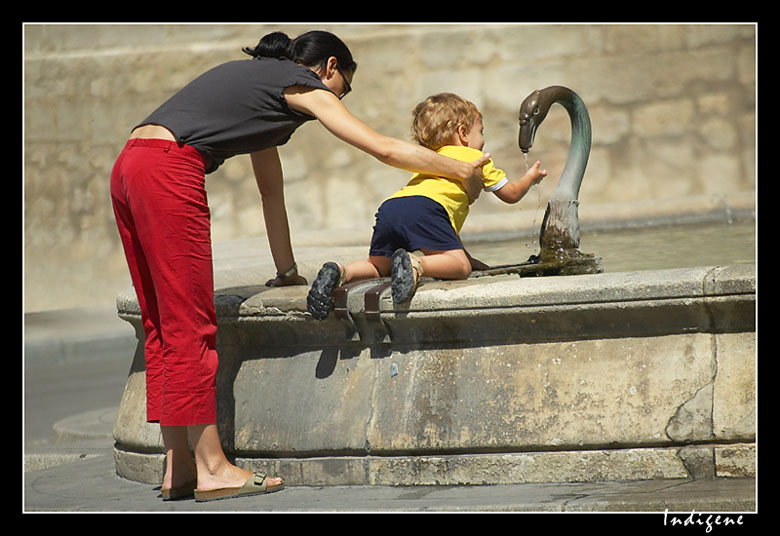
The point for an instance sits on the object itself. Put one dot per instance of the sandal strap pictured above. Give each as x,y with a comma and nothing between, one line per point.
342,275
257,480
416,264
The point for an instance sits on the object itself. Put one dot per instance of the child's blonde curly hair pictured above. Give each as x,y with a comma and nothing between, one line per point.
436,119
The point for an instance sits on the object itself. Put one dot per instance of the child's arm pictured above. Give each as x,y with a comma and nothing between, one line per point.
514,191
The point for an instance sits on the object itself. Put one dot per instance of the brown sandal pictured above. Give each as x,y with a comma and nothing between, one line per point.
255,485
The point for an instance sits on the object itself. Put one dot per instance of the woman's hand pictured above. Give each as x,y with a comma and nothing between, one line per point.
474,183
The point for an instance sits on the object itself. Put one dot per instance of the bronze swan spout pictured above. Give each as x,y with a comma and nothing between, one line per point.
560,235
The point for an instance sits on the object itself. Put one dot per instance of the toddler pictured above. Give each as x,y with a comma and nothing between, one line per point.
427,214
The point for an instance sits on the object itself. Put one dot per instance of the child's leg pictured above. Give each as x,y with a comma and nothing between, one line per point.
375,266
451,264
332,275
407,269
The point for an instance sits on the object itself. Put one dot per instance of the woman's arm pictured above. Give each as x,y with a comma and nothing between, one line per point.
329,110
270,181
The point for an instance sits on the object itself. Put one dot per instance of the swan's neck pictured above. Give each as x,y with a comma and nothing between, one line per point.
579,150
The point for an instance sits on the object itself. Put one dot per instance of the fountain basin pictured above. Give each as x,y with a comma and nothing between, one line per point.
497,379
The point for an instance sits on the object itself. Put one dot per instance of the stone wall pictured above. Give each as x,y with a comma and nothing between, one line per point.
672,107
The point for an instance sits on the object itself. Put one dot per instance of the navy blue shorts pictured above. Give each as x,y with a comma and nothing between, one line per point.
412,223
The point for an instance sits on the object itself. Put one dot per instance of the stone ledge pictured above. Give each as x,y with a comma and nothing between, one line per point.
483,469
627,304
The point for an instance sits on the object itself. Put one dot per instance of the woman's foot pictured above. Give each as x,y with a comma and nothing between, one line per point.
320,298
179,484
405,273
175,493
225,476
215,471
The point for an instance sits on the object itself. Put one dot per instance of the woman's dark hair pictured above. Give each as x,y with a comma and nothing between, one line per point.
311,49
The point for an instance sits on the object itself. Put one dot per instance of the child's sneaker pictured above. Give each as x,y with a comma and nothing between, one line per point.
403,277
320,298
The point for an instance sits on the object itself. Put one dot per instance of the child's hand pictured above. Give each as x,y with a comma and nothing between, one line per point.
536,174
475,264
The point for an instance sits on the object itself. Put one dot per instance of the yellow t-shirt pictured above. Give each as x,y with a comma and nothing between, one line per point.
450,193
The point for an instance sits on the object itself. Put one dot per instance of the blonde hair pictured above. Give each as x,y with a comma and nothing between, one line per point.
436,119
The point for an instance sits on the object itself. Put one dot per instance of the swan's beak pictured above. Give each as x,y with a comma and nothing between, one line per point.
527,133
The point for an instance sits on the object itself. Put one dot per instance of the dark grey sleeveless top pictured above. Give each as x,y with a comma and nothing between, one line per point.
236,108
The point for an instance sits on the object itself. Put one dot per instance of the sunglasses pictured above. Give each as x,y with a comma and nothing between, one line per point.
348,86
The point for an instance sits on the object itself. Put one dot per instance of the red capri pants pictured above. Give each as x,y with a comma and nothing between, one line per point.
159,198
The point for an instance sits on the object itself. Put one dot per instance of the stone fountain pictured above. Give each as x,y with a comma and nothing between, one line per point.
493,380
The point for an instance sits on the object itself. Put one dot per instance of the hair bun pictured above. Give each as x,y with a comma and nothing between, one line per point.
273,45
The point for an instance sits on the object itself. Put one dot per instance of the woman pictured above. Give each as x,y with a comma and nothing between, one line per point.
157,188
